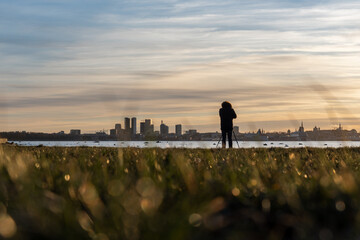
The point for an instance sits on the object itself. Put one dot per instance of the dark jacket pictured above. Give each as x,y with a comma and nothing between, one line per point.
227,115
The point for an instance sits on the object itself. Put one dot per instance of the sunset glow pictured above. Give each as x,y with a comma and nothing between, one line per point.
68,65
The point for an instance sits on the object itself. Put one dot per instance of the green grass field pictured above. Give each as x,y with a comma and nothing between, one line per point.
109,193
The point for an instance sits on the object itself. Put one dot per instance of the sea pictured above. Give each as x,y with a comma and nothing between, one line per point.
192,144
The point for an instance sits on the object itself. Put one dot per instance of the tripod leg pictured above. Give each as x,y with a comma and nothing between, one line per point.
236,139
218,142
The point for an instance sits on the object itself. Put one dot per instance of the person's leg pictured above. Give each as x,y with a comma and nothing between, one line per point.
230,138
223,133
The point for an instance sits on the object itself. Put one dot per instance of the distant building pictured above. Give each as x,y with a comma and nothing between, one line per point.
302,133
117,129
75,132
149,128
133,126
192,132
301,128
191,135
142,128
127,124
101,133
260,132
146,128
164,129
112,132
178,129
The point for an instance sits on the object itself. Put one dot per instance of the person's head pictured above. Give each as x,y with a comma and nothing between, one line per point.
226,104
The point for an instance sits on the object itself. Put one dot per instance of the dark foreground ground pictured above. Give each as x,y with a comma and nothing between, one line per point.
107,193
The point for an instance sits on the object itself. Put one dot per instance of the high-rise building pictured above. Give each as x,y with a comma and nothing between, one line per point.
127,124
133,126
146,128
164,129
147,122
178,129
149,128
142,128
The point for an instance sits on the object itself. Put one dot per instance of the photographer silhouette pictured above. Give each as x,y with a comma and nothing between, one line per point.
227,114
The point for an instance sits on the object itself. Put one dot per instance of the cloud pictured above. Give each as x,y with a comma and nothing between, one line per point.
179,58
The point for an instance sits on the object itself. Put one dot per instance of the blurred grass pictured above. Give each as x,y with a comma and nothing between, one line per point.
131,193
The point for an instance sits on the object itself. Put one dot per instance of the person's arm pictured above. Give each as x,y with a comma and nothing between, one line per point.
220,112
234,114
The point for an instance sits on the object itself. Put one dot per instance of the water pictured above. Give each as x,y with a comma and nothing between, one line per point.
191,144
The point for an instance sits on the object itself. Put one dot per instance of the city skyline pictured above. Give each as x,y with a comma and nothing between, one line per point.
249,126
147,133
126,126
67,64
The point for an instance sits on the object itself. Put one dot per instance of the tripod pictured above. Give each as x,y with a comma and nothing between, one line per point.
234,137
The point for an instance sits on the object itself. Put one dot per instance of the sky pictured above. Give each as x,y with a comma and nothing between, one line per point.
76,64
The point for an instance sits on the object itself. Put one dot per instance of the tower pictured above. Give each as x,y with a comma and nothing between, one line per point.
164,129
301,128
127,124
178,129
133,126
142,127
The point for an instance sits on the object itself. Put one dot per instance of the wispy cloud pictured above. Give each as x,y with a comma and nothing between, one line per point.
168,59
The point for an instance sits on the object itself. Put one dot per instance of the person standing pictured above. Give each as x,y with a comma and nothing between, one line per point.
227,114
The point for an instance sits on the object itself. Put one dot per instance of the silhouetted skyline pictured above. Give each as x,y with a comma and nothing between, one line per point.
147,133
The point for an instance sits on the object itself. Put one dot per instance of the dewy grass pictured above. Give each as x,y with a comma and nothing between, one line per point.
130,193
